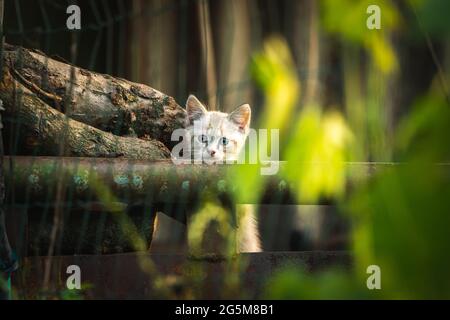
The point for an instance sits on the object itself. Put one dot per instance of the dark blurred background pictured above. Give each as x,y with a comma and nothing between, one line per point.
205,47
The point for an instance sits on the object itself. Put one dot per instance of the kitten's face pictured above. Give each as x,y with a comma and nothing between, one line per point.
216,136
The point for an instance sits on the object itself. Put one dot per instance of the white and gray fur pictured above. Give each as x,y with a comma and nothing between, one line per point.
215,137
235,128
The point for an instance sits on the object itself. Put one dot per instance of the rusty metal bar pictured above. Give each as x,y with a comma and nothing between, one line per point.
137,181
96,187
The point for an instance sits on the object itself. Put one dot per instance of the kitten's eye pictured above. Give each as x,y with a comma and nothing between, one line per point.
203,138
224,141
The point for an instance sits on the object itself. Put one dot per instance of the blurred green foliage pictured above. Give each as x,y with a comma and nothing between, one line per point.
319,138
347,19
434,16
312,137
403,213
400,217
293,284
423,135
198,227
274,71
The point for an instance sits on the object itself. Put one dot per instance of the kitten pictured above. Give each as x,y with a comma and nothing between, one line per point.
215,137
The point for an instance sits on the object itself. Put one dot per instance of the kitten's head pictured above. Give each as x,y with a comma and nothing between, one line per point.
216,136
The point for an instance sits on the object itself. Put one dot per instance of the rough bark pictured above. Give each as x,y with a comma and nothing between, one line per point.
42,130
104,102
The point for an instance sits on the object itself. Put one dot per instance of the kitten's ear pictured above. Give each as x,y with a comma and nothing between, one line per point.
241,116
194,108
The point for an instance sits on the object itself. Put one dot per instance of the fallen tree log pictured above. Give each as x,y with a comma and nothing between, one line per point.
42,130
102,101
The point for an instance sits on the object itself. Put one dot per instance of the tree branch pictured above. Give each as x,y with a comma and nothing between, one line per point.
42,129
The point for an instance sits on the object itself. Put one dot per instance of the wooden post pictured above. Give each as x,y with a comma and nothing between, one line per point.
207,48
7,262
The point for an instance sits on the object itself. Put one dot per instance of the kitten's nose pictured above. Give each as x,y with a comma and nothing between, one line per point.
212,153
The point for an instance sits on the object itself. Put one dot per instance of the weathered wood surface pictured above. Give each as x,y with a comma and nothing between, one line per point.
102,101
124,276
42,130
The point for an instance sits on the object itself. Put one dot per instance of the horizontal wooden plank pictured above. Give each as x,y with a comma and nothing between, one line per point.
140,275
